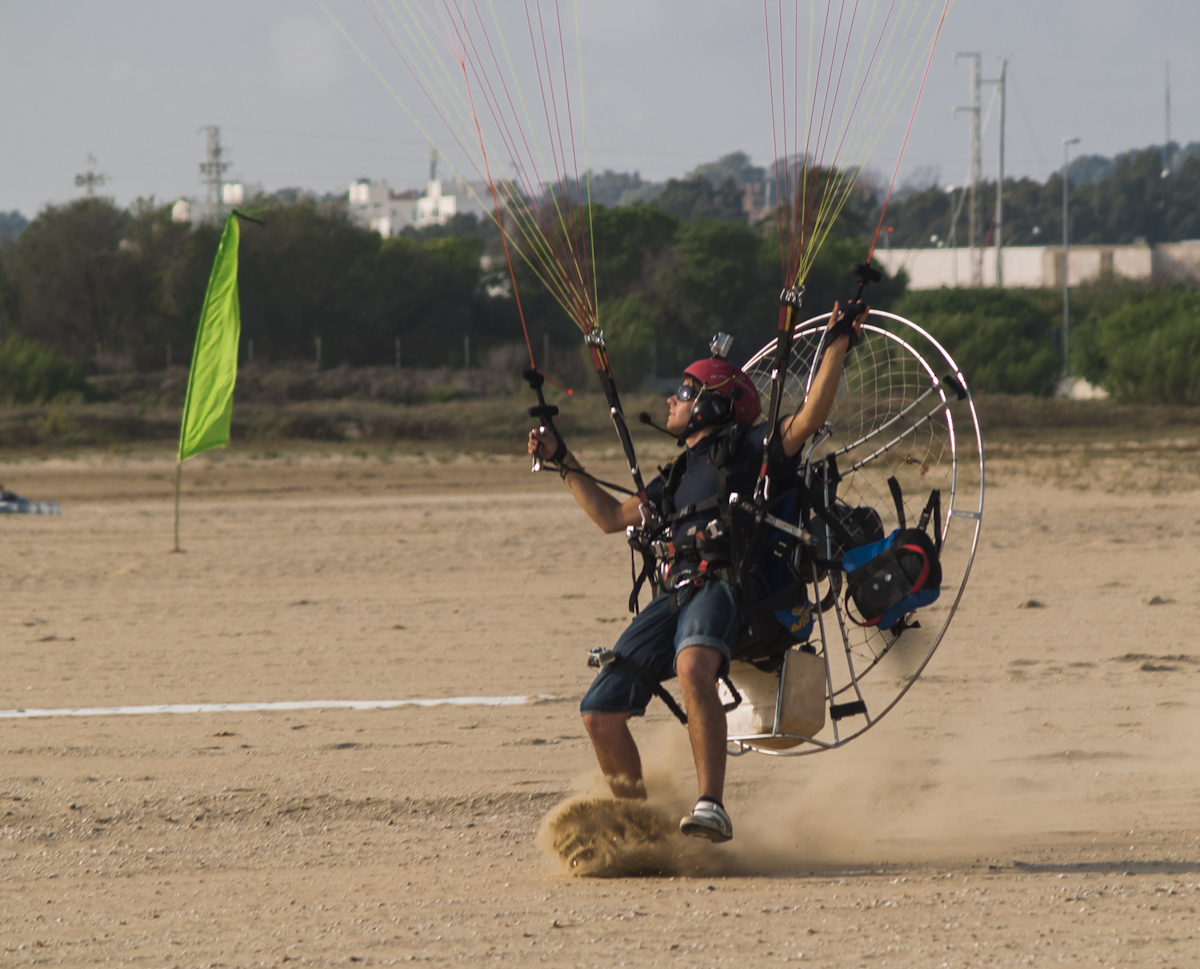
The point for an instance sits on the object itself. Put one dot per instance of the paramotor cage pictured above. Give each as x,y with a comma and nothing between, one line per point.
903,410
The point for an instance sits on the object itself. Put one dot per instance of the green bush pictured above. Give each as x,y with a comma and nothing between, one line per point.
1152,348
629,333
1001,339
31,373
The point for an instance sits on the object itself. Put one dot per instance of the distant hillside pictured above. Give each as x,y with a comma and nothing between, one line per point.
12,224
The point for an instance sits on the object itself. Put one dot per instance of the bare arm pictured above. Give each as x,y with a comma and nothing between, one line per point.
814,412
601,507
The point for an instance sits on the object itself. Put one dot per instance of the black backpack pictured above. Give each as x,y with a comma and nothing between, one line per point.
890,578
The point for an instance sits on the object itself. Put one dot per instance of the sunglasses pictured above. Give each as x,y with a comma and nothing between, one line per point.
687,392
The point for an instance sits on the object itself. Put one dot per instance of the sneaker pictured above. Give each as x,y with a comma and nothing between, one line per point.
708,820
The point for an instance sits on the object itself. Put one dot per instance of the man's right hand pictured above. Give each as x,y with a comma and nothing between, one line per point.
601,507
542,443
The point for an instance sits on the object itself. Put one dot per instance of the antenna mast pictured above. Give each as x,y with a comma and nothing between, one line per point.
90,180
212,168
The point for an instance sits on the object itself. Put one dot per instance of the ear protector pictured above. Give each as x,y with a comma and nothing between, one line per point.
712,409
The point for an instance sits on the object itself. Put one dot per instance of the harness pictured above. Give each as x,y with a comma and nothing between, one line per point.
765,566
709,544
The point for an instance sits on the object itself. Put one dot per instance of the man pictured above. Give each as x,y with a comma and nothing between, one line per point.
691,633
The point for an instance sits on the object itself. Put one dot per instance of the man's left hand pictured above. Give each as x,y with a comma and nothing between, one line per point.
855,327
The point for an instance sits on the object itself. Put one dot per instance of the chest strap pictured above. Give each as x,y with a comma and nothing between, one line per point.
708,504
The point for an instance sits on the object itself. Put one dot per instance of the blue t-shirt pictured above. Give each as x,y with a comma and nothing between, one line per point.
700,479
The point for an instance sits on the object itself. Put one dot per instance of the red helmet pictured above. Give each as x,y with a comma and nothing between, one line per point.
722,377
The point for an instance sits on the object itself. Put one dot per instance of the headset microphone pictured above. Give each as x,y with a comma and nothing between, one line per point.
645,419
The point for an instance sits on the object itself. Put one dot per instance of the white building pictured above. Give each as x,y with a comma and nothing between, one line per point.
1042,266
374,206
434,208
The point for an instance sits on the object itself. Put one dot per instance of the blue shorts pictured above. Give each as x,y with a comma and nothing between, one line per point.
709,616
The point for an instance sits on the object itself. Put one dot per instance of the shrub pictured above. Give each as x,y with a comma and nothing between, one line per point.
629,333
1001,339
31,373
1152,349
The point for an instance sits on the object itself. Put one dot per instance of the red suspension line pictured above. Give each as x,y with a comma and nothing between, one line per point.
924,77
499,219
550,106
532,188
863,86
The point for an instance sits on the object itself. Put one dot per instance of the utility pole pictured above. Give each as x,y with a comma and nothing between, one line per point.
975,169
433,159
90,180
1000,88
952,240
212,168
1167,143
1067,142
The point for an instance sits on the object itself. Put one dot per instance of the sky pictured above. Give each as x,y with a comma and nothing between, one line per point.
669,84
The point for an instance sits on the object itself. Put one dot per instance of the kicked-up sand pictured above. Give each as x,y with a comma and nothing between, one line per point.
1032,801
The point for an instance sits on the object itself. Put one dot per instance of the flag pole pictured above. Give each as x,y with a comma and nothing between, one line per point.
178,481
208,403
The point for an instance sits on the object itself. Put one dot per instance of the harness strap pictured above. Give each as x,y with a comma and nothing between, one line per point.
663,694
649,565
675,472
708,504
934,506
660,691
898,498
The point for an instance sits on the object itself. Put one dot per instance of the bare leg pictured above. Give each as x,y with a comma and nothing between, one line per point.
617,753
697,667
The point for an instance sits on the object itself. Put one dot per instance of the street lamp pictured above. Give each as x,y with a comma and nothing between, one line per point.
1067,142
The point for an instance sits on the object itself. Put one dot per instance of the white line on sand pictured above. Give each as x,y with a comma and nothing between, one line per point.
455,701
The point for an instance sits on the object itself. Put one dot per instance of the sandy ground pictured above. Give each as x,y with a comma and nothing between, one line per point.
1031,802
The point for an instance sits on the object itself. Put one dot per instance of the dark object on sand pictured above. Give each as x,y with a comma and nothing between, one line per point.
14,504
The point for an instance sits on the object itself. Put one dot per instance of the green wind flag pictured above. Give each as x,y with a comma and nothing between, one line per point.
208,406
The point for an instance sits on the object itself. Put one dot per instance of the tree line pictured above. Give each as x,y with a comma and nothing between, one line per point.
110,287
107,288
1136,196
87,286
